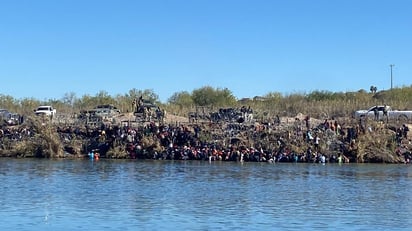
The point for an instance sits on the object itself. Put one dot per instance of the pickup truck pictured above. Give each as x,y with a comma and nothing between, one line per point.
46,111
391,114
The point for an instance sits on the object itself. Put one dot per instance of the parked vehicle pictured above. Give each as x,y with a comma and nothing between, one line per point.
102,111
45,111
4,112
14,119
110,107
10,118
378,113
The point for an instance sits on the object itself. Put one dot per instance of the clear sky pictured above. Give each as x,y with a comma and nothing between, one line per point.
252,47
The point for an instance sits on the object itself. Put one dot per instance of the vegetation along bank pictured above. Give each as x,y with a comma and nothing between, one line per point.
315,127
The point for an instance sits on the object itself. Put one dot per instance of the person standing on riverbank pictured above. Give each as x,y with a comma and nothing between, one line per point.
385,113
317,140
307,122
376,113
405,131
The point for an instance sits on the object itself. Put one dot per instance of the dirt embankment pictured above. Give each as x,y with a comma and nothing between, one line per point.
367,141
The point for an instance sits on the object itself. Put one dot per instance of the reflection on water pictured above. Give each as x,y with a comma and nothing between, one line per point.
164,195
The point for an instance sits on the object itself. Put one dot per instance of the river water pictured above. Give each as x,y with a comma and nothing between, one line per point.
166,195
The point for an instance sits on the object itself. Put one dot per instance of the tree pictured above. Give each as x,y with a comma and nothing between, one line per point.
8,102
373,89
150,95
147,94
69,98
124,103
204,96
68,101
182,99
207,95
103,97
225,97
28,105
85,102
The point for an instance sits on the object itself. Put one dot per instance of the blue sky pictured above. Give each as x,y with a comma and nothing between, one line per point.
52,47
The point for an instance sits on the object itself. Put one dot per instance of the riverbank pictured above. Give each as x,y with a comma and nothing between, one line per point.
298,139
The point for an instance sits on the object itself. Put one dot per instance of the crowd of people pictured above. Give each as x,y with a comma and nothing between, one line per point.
301,140
262,142
183,142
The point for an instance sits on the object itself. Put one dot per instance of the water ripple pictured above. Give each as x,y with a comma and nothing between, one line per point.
160,195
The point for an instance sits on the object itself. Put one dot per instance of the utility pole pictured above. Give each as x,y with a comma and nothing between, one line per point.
392,65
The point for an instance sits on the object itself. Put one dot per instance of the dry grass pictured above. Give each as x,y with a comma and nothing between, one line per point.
46,142
118,152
